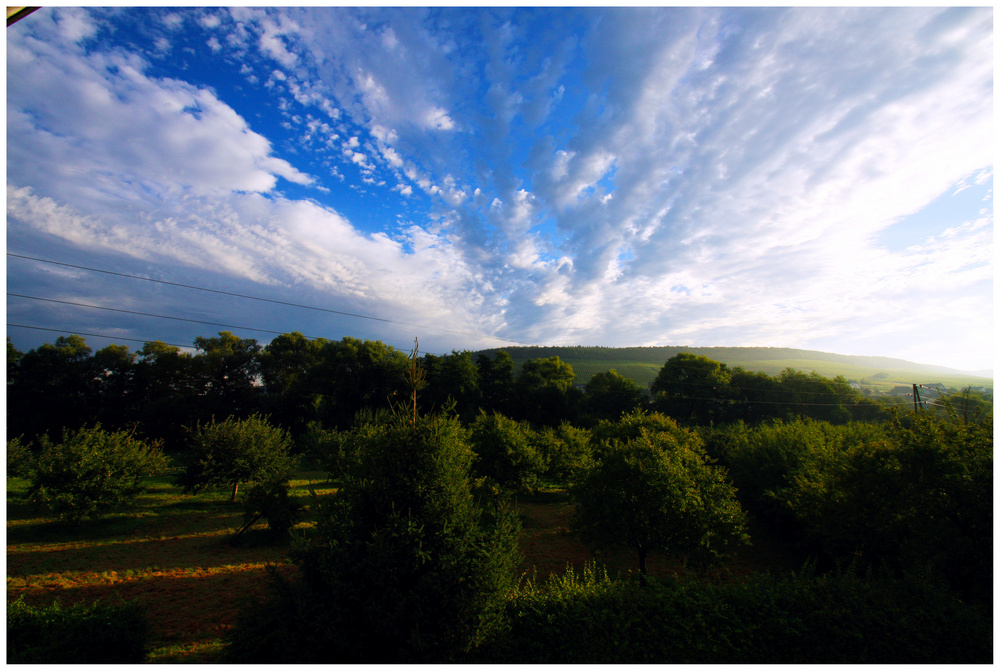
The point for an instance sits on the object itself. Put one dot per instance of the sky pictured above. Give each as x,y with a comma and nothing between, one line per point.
817,178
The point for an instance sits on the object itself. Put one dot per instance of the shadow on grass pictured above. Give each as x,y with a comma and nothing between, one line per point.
204,551
188,611
54,530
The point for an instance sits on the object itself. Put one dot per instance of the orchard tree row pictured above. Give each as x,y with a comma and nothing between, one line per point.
296,381
413,558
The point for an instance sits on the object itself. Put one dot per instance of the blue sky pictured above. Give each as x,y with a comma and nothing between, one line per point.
804,177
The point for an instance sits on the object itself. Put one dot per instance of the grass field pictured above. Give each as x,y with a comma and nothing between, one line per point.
642,364
171,551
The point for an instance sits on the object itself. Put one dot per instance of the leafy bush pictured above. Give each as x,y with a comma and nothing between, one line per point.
324,448
405,565
18,458
657,491
92,472
271,500
765,460
919,496
802,619
565,451
505,452
235,451
97,633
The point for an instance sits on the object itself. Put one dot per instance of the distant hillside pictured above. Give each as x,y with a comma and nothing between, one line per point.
643,363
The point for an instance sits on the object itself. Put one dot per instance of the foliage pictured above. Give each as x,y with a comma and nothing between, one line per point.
656,491
270,499
234,451
609,396
919,496
324,448
97,633
769,457
798,619
356,374
18,458
287,367
496,381
452,379
544,392
91,472
691,388
504,452
229,367
52,389
405,564
565,450
634,424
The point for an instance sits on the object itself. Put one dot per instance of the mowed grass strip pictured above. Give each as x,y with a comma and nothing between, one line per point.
171,551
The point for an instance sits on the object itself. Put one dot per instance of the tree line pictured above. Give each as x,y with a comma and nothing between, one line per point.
296,381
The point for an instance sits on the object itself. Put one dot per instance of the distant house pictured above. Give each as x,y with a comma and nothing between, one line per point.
933,390
854,384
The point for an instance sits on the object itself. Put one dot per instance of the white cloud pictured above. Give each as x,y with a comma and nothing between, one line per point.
717,176
103,124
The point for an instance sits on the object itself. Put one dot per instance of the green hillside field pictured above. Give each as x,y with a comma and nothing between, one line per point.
641,364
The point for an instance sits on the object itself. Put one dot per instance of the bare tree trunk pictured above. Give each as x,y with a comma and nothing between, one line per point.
236,487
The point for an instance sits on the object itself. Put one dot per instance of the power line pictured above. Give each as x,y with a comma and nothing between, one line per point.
92,335
116,337
264,300
149,314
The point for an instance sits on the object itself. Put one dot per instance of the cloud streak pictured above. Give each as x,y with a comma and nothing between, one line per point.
591,176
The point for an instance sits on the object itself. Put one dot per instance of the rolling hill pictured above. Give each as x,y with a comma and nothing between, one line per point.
641,364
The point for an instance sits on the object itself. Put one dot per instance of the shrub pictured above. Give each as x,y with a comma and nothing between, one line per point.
235,451
92,472
657,491
271,500
565,450
324,447
505,452
97,633
405,565
18,459
916,495
800,619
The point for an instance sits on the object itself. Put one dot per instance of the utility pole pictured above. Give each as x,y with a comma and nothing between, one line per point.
916,397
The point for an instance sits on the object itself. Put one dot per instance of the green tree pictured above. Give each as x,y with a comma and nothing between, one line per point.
565,450
610,395
693,389
236,451
496,381
505,452
168,392
229,367
91,472
545,393
452,379
656,492
287,367
18,458
917,494
14,356
113,369
356,374
53,389
405,565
